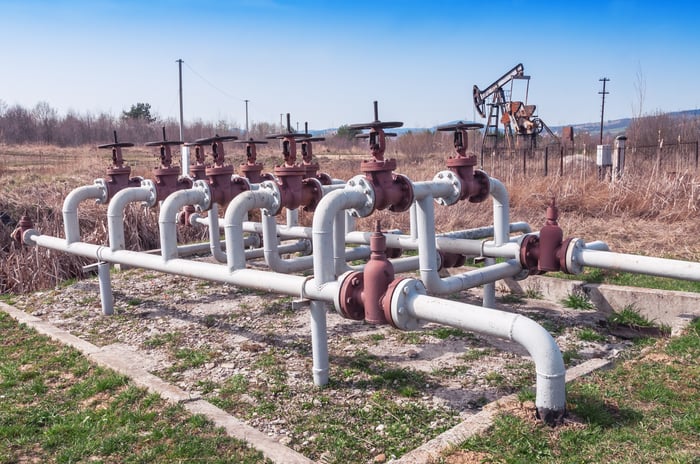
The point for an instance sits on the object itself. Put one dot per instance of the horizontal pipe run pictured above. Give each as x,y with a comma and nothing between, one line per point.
660,267
480,276
550,397
273,282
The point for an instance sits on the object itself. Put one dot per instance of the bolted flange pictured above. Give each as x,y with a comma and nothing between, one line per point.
276,207
349,304
449,177
569,251
360,184
395,303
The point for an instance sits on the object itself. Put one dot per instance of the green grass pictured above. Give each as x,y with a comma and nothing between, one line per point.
645,409
578,301
600,276
629,316
57,407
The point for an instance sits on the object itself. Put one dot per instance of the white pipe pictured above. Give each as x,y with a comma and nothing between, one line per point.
106,296
236,213
427,254
115,212
271,250
339,232
167,219
597,245
70,207
292,217
501,214
674,269
273,282
215,235
324,270
410,306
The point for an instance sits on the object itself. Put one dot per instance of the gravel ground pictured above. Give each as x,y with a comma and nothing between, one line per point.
207,337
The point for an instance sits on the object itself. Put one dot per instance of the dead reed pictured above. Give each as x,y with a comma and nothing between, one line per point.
648,211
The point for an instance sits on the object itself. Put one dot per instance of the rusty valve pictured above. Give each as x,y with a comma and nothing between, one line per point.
546,252
475,184
295,190
167,176
251,169
392,191
307,156
361,293
25,223
118,174
223,184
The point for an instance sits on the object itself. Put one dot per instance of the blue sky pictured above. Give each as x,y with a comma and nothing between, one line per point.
325,62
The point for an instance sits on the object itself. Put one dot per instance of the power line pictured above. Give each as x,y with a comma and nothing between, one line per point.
212,85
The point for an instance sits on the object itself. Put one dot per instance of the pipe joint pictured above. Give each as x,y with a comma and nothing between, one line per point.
449,177
104,197
360,184
118,179
396,303
153,195
392,191
225,185
18,235
361,293
169,181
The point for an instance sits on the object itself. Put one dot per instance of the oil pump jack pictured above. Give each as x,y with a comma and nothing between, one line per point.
517,117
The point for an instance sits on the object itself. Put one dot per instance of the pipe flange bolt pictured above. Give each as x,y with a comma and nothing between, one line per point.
349,298
360,184
104,192
203,186
273,188
455,183
152,194
403,291
573,248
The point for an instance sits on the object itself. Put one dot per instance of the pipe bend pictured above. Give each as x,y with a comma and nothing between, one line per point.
535,339
115,213
167,219
70,207
235,214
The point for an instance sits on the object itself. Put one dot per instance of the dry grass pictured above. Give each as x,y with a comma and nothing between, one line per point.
649,211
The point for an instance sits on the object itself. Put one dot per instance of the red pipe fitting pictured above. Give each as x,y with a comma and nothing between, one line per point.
361,293
546,253
551,237
475,185
392,191
167,176
251,169
448,260
118,175
25,223
224,185
308,163
198,167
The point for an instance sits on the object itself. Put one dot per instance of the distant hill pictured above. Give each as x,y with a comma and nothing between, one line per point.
618,126
610,126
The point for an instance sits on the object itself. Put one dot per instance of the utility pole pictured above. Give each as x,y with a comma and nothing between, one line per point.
179,65
246,118
602,109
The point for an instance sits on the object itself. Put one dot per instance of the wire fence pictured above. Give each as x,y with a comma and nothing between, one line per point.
581,161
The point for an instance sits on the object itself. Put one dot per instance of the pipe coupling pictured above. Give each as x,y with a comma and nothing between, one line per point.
360,184
202,186
152,194
449,177
396,303
273,190
104,192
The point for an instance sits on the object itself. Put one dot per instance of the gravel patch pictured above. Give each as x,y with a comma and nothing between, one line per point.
250,353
